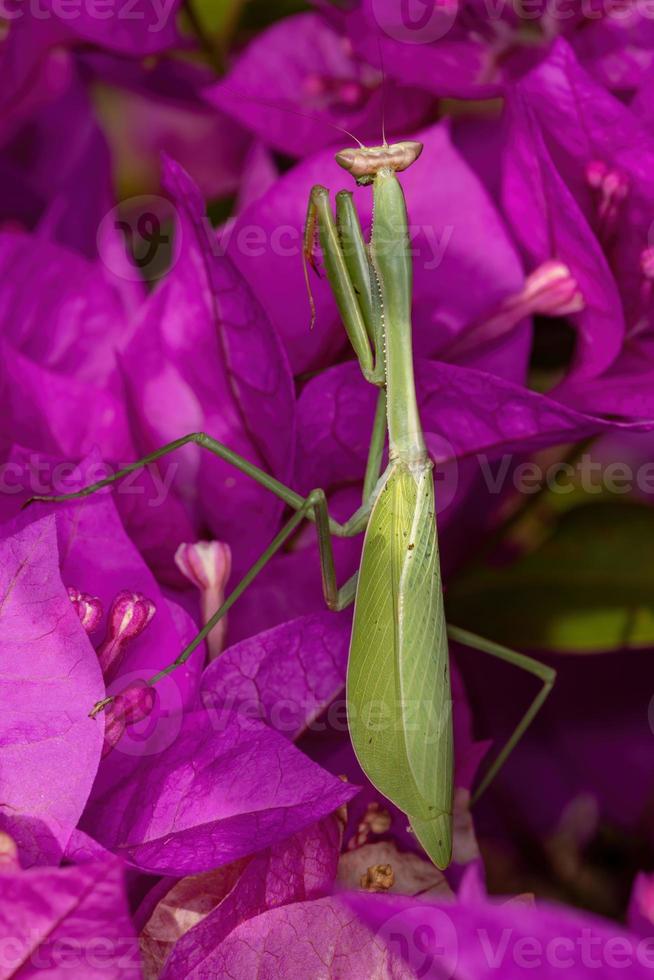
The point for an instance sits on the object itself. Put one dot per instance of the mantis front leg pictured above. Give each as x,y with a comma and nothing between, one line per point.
351,276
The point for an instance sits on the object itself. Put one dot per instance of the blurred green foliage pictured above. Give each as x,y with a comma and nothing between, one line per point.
589,587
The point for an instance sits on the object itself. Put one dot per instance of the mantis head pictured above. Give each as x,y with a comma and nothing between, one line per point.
366,161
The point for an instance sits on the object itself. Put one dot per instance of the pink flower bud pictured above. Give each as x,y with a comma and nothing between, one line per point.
130,613
609,188
550,290
8,855
88,608
208,565
647,262
131,705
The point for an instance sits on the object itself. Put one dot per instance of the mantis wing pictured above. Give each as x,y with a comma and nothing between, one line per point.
398,689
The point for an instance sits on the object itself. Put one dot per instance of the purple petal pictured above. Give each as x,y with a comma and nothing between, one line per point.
617,50
431,46
286,676
307,939
484,940
464,411
549,224
59,414
99,558
606,157
297,870
217,793
204,357
303,66
50,678
68,921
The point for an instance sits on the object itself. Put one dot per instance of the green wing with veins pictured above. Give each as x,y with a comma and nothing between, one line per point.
398,687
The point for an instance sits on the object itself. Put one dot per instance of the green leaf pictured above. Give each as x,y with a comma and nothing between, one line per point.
217,18
588,588
398,689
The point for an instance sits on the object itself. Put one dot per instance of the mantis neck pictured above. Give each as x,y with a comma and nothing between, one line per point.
392,262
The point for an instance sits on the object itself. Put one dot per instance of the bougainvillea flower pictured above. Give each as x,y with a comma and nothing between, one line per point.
208,565
299,80
65,184
605,155
299,869
131,705
293,678
285,676
610,179
304,939
58,920
550,225
130,613
50,677
212,796
59,345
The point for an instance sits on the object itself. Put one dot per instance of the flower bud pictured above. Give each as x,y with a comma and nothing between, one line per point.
609,187
8,854
208,565
131,705
88,608
550,290
130,613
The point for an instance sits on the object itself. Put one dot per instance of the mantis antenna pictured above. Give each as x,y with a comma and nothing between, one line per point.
304,115
383,90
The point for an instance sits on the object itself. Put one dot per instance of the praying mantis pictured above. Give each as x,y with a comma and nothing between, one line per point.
398,687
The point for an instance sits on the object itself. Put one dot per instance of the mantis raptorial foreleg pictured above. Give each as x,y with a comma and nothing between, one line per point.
350,275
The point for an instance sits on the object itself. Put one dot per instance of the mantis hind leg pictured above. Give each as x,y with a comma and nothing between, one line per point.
547,675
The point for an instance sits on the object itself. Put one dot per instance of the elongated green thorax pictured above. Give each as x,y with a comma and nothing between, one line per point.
392,262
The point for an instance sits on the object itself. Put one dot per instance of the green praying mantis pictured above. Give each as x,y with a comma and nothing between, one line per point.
398,687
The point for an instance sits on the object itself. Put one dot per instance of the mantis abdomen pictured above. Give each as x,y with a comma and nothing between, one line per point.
398,687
